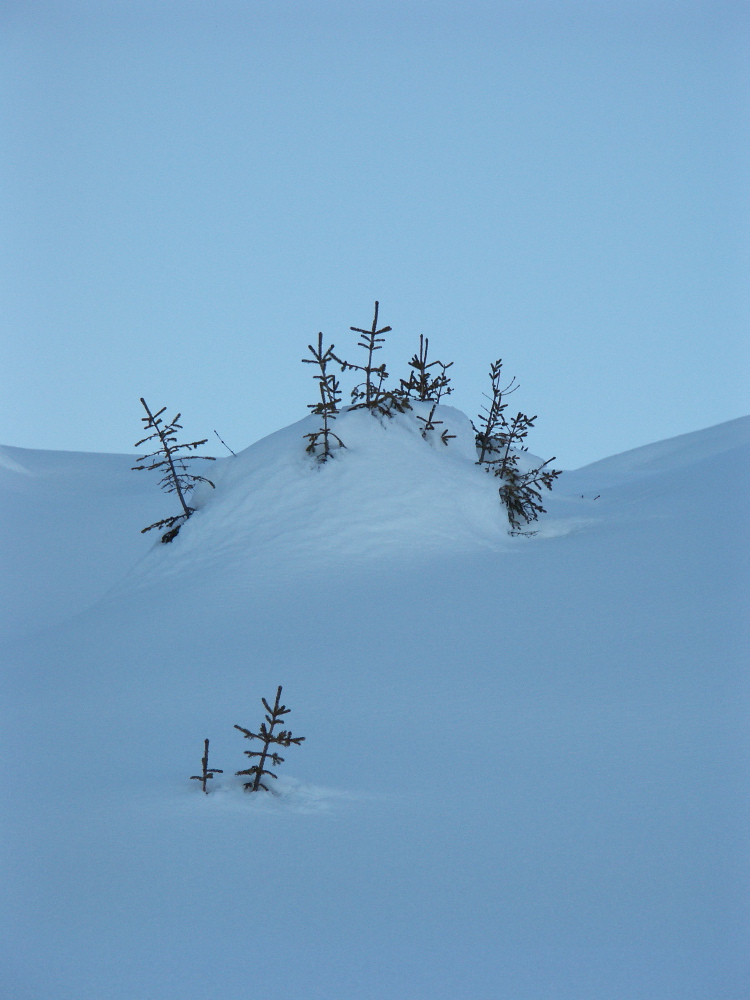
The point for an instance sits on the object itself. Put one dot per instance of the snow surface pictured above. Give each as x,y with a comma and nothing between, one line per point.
526,759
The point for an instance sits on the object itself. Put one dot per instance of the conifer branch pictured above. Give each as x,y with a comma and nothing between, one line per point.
372,340
427,386
486,433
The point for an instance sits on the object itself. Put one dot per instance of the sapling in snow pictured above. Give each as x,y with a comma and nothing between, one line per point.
169,459
500,443
207,772
431,424
268,738
328,405
491,420
521,492
423,384
370,393
427,386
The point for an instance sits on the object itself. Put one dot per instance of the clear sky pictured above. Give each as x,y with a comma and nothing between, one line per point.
189,191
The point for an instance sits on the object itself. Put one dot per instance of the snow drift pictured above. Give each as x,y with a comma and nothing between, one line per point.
526,758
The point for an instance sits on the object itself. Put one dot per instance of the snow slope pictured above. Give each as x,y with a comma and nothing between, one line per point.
525,766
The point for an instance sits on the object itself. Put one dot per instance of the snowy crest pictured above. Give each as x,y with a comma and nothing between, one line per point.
389,490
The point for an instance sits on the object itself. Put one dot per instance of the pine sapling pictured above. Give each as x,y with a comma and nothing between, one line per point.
328,405
492,422
500,443
508,442
268,738
521,491
208,772
168,459
430,424
522,496
427,386
370,393
423,384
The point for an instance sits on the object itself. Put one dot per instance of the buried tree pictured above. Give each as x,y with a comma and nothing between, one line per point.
328,406
268,738
370,394
208,772
173,464
500,444
428,387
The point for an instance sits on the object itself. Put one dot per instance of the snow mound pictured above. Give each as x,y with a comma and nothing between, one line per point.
287,795
666,456
388,491
394,497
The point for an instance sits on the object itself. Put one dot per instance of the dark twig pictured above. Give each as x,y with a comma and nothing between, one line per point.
224,443
208,772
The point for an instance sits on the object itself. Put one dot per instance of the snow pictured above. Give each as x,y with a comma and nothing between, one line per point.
386,494
525,765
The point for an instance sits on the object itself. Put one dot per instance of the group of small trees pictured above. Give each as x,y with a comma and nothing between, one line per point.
371,394
267,757
500,441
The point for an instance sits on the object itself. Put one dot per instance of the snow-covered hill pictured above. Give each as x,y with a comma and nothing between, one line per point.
525,766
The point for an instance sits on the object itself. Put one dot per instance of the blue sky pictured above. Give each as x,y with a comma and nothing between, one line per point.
190,191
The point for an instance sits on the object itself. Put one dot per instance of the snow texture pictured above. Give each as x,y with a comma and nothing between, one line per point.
526,759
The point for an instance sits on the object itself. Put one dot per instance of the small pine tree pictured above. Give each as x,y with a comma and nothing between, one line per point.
370,393
427,386
423,384
521,493
488,434
268,738
328,406
499,445
430,424
207,772
167,457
